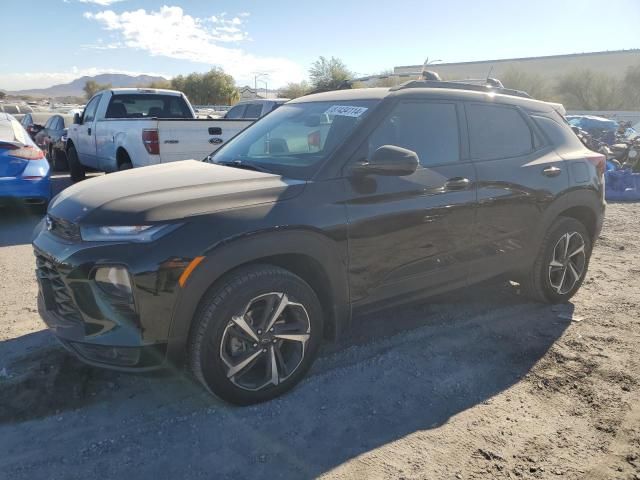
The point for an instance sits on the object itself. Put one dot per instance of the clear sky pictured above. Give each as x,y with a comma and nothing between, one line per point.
44,42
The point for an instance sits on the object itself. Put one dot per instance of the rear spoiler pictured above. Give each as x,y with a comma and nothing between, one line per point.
559,108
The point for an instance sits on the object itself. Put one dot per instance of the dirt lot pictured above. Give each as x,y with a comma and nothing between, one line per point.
475,385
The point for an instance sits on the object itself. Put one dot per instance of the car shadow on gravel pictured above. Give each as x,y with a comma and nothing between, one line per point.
395,374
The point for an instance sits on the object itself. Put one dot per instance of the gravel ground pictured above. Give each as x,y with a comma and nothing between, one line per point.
475,385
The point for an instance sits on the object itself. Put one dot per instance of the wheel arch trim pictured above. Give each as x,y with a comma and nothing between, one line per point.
254,249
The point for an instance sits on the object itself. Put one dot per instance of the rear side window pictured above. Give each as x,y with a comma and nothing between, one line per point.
558,133
429,129
497,132
146,105
253,110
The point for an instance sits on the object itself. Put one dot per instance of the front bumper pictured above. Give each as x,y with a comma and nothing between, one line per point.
98,328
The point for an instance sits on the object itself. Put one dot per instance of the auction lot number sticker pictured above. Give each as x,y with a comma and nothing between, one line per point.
346,111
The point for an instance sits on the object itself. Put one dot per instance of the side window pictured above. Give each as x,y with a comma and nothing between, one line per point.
254,110
26,120
236,112
50,123
90,110
497,132
429,129
58,123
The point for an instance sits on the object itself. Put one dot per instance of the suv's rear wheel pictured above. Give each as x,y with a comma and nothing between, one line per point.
255,335
562,262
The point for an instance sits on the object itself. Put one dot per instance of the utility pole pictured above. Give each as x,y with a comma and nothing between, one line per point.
256,76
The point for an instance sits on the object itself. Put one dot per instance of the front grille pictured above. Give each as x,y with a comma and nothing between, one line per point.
63,228
57,297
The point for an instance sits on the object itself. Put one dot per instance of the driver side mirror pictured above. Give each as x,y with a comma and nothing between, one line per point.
77,119
389,160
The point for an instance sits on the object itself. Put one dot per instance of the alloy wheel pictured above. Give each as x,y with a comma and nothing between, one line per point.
266,342
568,263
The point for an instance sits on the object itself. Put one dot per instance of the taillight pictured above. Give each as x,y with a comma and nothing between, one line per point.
26,153
151,141
599,161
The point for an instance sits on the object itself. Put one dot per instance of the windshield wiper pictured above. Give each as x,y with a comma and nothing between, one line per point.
245,166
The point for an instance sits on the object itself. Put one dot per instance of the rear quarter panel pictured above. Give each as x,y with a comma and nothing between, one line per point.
112,134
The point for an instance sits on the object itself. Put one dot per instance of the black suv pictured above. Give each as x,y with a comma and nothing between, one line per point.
338,202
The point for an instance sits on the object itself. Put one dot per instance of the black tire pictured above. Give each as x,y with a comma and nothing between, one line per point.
538,283
124,161
76,169
228,298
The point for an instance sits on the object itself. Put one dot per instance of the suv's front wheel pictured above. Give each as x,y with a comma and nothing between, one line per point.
561,264
255,334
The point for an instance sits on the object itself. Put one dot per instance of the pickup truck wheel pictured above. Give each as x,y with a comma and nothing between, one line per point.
76,169
255,335
561,264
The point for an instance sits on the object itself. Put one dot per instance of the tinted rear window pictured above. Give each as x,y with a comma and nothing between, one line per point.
497,132
147,105
236,112
253,110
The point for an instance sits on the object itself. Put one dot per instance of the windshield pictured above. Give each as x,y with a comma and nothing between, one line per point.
294,140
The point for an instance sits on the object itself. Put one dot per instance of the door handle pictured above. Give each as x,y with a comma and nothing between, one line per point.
552,171
457,183
89,131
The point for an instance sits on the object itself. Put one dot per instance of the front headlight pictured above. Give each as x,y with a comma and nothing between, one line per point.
132,233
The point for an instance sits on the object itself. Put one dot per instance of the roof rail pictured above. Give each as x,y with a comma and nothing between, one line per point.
460,85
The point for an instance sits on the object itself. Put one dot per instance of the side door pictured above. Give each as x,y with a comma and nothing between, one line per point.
519,175
86,135
409,235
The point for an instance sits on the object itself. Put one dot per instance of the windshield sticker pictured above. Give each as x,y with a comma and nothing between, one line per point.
346,111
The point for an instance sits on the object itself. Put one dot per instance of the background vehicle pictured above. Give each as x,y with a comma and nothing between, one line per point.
335,203
134,127
254,109
16,110
24,170
52,140
34,122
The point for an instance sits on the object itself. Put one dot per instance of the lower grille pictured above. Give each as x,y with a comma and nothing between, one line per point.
57,297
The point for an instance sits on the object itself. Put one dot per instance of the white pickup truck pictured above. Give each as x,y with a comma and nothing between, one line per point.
125,128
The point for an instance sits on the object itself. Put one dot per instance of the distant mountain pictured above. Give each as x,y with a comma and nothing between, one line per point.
74,88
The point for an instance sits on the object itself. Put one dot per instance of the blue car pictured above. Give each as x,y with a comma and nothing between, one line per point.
24,171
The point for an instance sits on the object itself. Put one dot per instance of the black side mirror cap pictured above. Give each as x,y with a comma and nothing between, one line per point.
76,119
389,160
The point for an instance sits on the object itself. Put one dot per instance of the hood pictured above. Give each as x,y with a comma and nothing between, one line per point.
168,192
